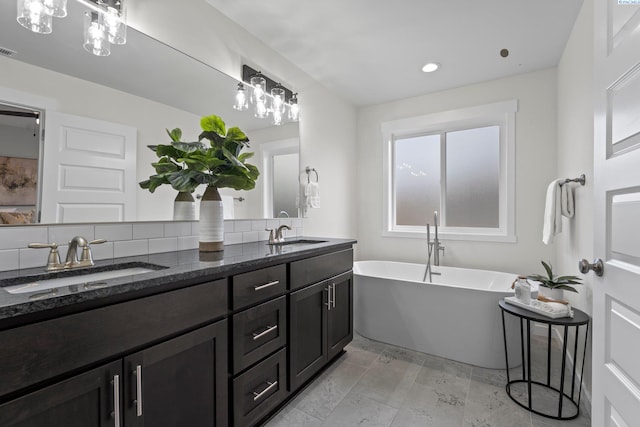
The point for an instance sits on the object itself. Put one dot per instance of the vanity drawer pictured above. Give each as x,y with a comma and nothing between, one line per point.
255,286
258,331
260,389
315,269
33,353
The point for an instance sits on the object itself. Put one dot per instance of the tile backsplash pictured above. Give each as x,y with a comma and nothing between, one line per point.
127,238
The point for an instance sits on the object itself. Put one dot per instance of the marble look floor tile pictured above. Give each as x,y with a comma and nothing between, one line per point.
490,406
437,371
326,392
366,344
429,406
292,417
357,410
389,379
359,356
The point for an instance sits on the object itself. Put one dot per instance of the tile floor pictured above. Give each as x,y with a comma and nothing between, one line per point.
376,384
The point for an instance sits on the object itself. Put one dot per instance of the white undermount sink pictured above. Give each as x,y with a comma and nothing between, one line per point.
88,279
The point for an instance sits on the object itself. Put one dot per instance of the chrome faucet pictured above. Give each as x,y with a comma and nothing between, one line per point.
71,261
275,236
437,247
430,245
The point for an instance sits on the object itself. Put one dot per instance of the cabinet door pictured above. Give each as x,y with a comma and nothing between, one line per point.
180,382
86,400
308,337
340,316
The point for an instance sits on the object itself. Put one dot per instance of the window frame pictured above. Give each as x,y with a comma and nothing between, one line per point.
500,114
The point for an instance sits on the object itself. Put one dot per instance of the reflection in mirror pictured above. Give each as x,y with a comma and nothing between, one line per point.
144,87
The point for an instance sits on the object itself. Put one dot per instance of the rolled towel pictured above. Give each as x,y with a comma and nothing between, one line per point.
552,212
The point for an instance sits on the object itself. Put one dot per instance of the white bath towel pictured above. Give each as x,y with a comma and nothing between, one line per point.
566,200
552,212
312,195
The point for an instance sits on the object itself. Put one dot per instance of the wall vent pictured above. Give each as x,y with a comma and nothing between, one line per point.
6,51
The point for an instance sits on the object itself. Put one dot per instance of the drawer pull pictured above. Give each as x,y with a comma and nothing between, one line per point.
266,285
257,336
138,401
116,400
270,385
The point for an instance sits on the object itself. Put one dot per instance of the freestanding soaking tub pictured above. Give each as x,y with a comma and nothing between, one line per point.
455,316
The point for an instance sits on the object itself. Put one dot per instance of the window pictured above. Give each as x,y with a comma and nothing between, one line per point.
459,163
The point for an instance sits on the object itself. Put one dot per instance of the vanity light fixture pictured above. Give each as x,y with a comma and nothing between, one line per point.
268,97
105,24
430,67
242,102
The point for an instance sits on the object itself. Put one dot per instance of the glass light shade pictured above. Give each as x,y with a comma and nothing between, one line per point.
277,104
277,117
261,110
294,108
32,15
242,102
55,8
259,88
96,38
116,21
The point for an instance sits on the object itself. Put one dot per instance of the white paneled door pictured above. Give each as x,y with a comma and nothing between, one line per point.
616,295
89,170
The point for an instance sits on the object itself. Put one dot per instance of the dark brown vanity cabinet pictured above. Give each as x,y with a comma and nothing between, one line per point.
180,382
321,319
90,399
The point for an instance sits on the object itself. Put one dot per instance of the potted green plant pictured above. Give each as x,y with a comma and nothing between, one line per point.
552,286
216,164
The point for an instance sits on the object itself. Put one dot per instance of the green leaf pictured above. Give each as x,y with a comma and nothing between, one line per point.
175,134
213,138
547,267
245,156
235,134
566,288
233,159
213,123
166,166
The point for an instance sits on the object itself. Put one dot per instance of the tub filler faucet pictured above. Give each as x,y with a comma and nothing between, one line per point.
431,248
436,246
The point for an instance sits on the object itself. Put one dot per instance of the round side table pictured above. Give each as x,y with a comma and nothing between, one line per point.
579,321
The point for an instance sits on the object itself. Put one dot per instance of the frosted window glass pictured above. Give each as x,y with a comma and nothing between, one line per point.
285,184
417,179
473,177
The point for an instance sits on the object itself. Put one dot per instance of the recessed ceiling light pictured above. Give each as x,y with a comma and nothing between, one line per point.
430,67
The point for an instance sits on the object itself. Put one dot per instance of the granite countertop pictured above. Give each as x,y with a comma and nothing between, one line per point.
174,268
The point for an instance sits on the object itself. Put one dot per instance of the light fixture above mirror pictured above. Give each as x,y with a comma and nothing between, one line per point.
267,97
105,23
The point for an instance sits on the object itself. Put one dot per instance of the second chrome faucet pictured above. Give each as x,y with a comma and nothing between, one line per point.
275,235
71,261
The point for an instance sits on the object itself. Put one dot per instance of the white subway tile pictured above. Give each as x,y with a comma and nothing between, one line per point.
130,248
166,244
177,229
258,225
195,228
250,236
273,223
241,226
263,235
148,230
296,222
188,242
285,221
102,251
9,260
62,234
232,238
228,226
20,237
30,258
114,232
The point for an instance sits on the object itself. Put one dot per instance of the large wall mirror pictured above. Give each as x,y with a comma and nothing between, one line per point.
139,90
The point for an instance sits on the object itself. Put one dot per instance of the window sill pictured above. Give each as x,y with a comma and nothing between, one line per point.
444,235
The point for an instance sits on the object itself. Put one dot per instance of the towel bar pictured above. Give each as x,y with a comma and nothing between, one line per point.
581,180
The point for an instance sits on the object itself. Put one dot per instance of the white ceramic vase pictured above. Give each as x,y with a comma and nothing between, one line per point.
555,294
184,207
211,221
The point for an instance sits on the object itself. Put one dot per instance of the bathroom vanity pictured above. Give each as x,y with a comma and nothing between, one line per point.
206,340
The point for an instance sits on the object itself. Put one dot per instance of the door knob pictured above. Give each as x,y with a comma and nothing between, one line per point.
597,266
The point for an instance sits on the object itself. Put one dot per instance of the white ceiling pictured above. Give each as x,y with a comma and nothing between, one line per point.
372,51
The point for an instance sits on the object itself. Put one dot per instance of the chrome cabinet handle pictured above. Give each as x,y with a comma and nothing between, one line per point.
257,336
270,385
266,285
328,303
333,285
116,400
138,401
